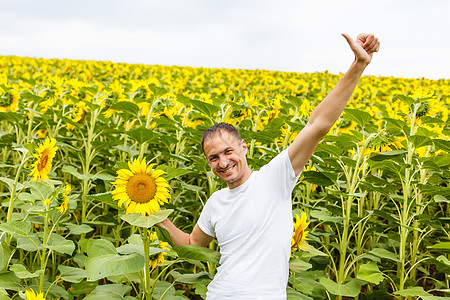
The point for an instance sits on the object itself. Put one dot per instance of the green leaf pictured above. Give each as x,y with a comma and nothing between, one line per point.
312,250
419,140
105,198
79,229
11,117
139,249
414,292
350,289
407,100
158,91
383,253
164,287
109,291
322,214
71,274
10,183
16,228
100,247
72,171
436,297
142,134
440,246
207,109
191,278
163,235
317,178
173,172
298,265
359,116
444,260
104,177
21,272
386,155
371,273
113,264
10,281
139,220
29,243
196,252
442,145
5,255
42,189
82,288
440,199
60,244
126,106
294,295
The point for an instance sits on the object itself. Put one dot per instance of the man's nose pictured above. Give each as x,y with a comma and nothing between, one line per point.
223,162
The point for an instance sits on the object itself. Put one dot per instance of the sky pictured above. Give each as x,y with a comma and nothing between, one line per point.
278,35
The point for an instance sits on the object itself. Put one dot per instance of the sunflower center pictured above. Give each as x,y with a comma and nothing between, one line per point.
141,188
43,162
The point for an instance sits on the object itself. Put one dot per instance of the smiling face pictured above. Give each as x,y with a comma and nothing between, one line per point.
225,155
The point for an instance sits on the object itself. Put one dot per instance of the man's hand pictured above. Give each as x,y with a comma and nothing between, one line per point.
364,46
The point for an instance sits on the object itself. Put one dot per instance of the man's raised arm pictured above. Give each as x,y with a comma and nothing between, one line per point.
329,110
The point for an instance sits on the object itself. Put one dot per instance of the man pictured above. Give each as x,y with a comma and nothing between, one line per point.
252,218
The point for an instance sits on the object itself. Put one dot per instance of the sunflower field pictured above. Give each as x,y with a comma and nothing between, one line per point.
94,154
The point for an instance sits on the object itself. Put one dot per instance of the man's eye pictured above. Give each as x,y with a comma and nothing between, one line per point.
213,159
228,151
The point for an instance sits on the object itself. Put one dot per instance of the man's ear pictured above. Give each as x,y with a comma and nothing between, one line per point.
244,145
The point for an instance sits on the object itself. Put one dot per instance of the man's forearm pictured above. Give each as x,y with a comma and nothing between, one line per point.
329,110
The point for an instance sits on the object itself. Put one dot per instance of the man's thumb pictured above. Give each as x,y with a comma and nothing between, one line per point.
350,41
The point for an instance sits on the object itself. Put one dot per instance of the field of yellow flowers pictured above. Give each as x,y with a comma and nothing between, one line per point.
94,154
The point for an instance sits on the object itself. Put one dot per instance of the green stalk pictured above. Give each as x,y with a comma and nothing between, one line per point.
89,155
160,273
252,143
43,254
419,210
13,192
147,283
406,184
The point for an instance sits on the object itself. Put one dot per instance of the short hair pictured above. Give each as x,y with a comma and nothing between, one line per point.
216,129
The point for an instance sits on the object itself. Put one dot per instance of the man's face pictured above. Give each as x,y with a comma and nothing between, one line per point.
226,157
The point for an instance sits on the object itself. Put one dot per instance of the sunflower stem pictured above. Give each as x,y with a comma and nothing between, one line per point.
147,284
43,257
14,187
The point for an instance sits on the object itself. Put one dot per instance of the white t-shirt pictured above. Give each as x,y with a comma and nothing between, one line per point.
253,226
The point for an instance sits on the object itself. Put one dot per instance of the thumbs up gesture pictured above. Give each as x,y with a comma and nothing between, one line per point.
363,47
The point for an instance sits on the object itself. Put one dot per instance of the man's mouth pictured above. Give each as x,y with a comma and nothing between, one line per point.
228,170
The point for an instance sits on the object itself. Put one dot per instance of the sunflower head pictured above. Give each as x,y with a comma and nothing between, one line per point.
159,257
31,295
9,100
299,236
44,157
63,199
140,188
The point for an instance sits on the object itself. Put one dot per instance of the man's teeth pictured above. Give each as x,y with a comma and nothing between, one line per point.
228,170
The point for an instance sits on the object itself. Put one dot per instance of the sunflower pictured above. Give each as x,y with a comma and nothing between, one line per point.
31,295
141,189
158,258
299,236
41,133
63,199
44,158
9,101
